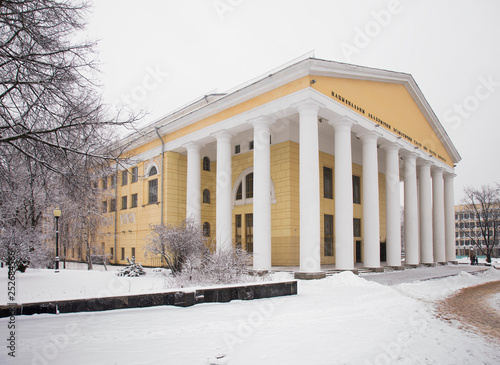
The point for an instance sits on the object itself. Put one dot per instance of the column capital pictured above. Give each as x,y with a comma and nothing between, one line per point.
423,162
309,105
410,156
449,175
223,136
263,120
435,170
192,146
390,146
344,123
369,135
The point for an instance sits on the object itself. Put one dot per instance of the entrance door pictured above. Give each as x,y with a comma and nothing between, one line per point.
358,251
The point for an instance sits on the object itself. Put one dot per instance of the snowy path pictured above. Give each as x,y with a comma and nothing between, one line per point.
419,274
472,305
343,319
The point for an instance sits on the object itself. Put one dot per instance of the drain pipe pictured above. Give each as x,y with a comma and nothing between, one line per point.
162,173
116,211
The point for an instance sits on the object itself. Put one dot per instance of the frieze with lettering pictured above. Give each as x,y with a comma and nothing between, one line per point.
385,124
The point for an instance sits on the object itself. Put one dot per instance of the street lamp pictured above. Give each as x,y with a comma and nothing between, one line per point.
57,214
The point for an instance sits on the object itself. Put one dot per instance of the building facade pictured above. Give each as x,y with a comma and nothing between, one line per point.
301,167
471,228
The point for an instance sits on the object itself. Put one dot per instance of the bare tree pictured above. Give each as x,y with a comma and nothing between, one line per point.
176,244
483,207
54,128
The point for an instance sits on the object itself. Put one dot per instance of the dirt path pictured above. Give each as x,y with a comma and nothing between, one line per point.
471,306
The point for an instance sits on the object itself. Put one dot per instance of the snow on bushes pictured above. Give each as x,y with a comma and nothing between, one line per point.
186,253
133,269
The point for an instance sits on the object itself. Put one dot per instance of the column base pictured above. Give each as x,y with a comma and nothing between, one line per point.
254,272
442,263
397,268
309,275
412,266
453,262
336,271
432,264
374,269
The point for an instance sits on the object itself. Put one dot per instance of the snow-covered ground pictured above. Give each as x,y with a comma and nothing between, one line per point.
343,319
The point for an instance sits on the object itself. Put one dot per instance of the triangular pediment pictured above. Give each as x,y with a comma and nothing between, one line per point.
395,106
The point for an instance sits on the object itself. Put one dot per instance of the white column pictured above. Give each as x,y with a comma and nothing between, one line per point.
310,259
438,215
411,210
344,255
371,213
449,217
425,197
262,194
223,210
193,185
393,206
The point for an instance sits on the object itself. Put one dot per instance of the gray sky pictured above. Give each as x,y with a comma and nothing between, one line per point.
162,54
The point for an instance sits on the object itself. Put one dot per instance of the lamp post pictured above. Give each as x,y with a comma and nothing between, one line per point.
57,214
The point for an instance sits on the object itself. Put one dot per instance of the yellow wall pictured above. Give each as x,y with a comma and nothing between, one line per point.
392,104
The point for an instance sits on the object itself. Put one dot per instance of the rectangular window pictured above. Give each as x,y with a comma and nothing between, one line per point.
250,145
112,205
328,225
123,253
327,183
153,191
124,202
113,180
105,206
135,174
357,227
133,252
356,190
133,203
237,220
124,177
111,253
249,232
236,149
105,182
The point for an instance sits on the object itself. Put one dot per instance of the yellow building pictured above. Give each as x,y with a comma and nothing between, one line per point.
302,167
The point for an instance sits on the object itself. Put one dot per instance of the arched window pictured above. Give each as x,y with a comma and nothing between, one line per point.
153,171
206,229
206,196
249,186
206,164
243,189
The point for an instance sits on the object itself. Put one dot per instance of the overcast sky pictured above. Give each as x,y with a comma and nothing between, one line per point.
162,54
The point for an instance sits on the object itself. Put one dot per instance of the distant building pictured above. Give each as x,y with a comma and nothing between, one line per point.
467,226
301,167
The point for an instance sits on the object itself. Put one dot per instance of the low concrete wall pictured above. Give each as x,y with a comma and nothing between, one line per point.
177,298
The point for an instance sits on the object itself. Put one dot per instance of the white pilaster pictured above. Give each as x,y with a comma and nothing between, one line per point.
193,185
425,197
438,215
371,221
262,195
344,255
310,259
411,210
223,210
449,217
393,206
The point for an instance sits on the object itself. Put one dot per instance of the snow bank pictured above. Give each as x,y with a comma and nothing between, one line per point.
435,290
342,319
